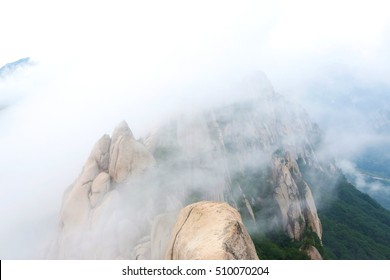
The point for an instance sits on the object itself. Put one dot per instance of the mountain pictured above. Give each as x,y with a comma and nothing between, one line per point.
6,71
257,158
11,67
353,111
370,175
373,163
355,225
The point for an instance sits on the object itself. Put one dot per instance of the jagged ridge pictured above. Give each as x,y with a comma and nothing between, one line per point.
244,154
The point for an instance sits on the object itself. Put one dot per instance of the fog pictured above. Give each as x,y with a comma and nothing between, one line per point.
99,62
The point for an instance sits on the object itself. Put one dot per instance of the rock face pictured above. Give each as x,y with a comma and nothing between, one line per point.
95,225
294,198
210,231
127,156
246,154
160,234
89,204
76,204
313,253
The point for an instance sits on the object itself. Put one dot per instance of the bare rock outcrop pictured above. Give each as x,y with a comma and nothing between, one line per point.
127,156
142,251
160,234
210,230
100,186
76,204
91,225
310,211
313,253
294,198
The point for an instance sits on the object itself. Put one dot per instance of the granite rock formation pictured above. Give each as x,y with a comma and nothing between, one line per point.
210,231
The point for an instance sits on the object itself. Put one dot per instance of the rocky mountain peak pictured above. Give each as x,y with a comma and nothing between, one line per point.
121,130
294,197
244,155
90,201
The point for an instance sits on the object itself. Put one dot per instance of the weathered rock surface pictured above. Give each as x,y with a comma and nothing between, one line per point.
294,198
313,253
142,251
160,234
100,186
210,231
233,153
127,156
76,204
91,223
310,211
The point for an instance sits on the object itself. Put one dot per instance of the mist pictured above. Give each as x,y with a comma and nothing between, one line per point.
98,63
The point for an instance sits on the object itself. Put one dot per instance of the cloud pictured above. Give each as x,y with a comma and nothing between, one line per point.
376,187
99,62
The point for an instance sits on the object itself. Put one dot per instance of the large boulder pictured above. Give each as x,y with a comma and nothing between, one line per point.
210,231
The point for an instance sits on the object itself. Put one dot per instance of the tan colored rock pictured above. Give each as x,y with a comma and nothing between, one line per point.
93,222
313,253
160,234
310,211
101,152
122,129
102,212
89,173
100,186
75,211
210,231
76,204
127,156
287,196
142,250
297,206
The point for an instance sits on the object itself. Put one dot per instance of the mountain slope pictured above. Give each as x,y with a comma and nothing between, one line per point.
355,226
246,152
258,154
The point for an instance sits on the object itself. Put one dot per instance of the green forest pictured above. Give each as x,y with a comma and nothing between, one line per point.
355,226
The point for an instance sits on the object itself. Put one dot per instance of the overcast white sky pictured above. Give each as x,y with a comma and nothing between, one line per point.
98,62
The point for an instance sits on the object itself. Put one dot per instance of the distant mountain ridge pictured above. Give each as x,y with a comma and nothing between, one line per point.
11,67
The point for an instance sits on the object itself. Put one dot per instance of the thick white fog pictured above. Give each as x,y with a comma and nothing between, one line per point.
95,63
